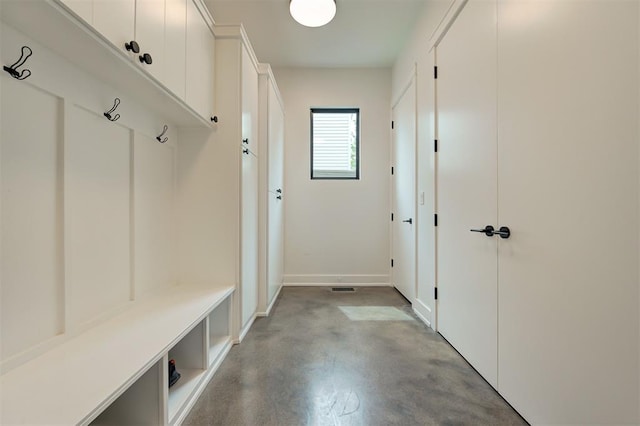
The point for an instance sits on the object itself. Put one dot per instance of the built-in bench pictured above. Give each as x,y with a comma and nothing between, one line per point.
117,372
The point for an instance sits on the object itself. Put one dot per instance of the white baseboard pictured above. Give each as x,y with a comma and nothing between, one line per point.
313,280
273,302
423,312
245,330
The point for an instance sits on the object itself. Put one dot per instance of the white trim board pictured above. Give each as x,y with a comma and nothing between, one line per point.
333,280
273,302
423,312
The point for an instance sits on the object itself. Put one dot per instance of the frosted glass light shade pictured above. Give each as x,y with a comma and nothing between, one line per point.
312,13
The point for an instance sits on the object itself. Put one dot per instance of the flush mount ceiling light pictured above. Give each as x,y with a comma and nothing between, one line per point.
312,13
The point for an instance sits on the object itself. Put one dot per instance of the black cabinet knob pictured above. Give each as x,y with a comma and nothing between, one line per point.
279,191
146,59
245,141
214,119
132,46
245,151
279,197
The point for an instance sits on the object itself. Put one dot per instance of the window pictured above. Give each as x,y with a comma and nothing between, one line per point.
335,143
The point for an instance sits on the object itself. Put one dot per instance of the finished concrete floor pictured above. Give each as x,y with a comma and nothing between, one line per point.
310,364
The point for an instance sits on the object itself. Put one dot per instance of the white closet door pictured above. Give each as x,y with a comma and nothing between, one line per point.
276,142
275,206
97,215
249,103
249,237
568,167
404,194
467,181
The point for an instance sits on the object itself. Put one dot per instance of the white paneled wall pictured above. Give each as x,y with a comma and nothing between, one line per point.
97,214
154,232
32,260
337,231
88,205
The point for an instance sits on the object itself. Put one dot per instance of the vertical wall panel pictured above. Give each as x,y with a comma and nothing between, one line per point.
32,281
154,218
97,215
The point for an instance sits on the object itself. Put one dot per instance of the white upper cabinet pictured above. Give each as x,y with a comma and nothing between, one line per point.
200,62
115,20
150,36
174,38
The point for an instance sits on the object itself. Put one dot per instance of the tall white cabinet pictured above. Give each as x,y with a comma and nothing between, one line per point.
237,73
271,190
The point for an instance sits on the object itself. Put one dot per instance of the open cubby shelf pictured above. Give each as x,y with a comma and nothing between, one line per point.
121,364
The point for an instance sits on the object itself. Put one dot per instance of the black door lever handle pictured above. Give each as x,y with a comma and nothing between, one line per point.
488,230
409,221
504,232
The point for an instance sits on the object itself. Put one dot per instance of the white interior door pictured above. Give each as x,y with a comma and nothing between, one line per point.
275,231
467,192
568,167
249,246
404,193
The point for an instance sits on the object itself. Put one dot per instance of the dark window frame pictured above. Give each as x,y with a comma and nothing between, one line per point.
335,111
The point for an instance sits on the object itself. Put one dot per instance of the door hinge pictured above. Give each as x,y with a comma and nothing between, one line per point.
435,145
435,293
391,217
392,125
435,219
392,263
392,170
435,72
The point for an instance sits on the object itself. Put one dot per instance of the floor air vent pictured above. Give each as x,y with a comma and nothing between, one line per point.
343,289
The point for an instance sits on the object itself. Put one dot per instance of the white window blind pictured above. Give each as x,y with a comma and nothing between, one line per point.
335,144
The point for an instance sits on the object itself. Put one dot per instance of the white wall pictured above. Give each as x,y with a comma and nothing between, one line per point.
337,230
417,56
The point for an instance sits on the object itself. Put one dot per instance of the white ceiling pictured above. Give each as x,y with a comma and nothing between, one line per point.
364,33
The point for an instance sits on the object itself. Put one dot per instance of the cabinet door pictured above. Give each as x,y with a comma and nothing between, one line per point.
115,20
249,102
249,237
174,49
275,247
150,35
200,62
276,142
275,207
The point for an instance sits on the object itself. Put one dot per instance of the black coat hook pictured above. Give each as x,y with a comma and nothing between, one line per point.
159,137
107,114
13,69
